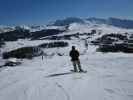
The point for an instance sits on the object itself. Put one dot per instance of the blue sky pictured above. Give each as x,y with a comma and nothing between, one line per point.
17,12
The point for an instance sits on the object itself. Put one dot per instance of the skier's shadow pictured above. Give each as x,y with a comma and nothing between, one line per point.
59,74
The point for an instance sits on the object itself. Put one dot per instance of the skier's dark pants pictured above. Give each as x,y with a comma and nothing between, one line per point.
75,64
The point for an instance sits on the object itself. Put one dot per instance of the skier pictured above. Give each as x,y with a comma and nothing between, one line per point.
74,54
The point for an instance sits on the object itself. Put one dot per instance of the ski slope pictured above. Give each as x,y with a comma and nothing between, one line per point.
108,77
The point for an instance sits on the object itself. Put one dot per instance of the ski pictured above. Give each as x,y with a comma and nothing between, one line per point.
84,71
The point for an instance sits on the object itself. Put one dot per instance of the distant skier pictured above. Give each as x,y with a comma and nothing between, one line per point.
74,54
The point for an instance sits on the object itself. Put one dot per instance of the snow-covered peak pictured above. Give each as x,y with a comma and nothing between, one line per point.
6,28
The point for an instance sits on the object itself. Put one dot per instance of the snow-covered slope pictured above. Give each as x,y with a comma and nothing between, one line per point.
108,77
103,28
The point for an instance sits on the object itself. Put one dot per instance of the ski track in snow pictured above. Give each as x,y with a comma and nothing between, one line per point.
111,81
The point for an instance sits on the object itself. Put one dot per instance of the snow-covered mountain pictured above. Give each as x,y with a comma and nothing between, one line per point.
123,23
31,28
59,24
6,28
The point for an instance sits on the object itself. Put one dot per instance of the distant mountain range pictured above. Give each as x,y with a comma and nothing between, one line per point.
123,23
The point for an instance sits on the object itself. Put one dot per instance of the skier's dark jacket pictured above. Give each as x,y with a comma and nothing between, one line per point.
74,54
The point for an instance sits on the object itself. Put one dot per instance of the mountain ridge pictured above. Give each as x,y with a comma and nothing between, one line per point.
117,22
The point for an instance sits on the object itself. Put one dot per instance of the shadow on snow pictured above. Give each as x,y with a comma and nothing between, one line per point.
59,74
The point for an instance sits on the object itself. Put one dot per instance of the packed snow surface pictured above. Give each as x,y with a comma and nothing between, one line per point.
108,77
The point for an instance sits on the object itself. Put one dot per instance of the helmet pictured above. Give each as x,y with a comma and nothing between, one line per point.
73,47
